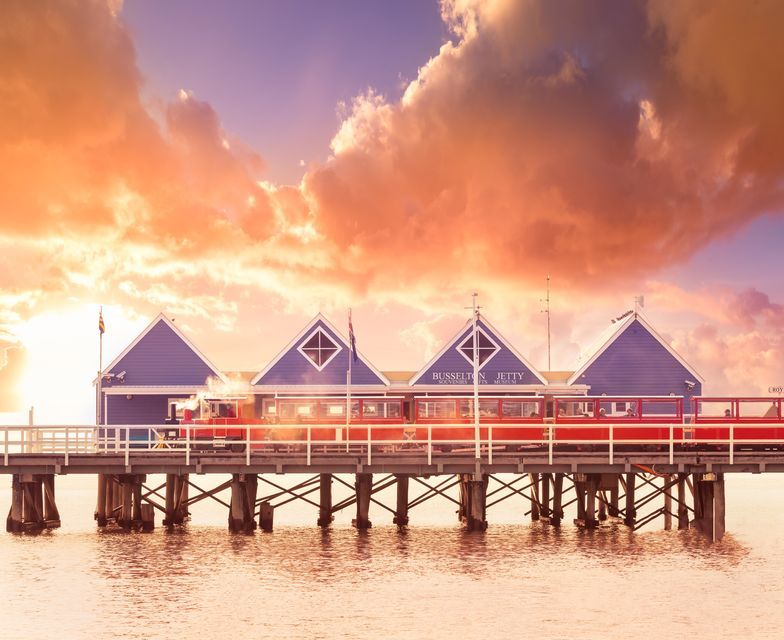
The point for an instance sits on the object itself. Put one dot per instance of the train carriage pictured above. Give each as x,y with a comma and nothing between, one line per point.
749,421
644,420
509,418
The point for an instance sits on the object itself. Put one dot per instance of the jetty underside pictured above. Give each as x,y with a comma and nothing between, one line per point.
683,489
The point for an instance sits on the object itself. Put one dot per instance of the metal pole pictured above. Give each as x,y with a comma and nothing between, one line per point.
100,367
476,378
348,387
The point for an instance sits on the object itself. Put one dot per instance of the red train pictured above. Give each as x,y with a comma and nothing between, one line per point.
512,421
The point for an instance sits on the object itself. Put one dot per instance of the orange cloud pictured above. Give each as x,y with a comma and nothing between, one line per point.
596,143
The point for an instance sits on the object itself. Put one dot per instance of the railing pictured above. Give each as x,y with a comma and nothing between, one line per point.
554,440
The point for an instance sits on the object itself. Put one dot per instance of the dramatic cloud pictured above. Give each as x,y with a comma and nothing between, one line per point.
595,142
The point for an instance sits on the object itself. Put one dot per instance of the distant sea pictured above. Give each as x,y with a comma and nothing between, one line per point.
433,580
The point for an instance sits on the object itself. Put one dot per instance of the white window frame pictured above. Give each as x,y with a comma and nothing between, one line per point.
459,347
309,359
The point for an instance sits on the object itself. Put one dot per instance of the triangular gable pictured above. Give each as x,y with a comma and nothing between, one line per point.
506,366
292,366
161,355
634,319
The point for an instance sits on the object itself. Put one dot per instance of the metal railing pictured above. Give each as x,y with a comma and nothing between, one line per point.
367,440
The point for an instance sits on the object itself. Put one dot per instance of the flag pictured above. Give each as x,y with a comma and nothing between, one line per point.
352,340
101,325
621,317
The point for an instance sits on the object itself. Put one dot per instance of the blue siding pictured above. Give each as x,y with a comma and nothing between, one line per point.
140,409
293,368
453,369
637,364
161,357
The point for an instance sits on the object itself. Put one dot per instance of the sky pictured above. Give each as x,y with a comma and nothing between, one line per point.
242,166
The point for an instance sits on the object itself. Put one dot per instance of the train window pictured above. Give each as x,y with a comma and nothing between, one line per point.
269,408
513,408
380,409
221,409
659,408
757,409
715,409
443,409
576,408
181,404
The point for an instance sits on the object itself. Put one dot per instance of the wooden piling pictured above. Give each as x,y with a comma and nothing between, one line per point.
126,513
171,487
266,516
630,515
545,496
325,517
683,511
667,503
249,513
612,509
557,512
718,508
401,510
100,507
363,487
14,522
147,517
535,512
473,494
51,513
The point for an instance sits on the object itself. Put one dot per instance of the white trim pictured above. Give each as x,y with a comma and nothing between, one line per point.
260,389
152,390
309,359
622,326
479,329
290,345
501,339
179,334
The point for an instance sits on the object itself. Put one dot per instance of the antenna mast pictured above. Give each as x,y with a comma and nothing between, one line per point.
546,310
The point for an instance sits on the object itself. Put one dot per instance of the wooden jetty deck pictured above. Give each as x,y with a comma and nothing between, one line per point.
678,482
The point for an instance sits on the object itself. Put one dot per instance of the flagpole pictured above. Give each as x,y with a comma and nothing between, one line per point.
348,383
100,367
476,378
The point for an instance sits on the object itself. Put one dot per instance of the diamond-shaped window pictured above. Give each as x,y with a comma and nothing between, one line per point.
319,349
485,346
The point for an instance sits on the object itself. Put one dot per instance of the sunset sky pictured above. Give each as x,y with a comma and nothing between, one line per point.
242,166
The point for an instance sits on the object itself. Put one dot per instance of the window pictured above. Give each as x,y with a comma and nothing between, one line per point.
485,346
319,349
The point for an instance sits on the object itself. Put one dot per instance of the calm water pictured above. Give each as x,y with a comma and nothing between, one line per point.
433,581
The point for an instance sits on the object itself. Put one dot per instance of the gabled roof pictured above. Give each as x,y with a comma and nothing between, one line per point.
308,328
162,318
453,341
613,332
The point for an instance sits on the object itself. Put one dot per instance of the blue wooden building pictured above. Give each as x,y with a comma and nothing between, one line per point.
633,359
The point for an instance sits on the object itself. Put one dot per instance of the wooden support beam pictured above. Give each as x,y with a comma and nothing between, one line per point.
718,508
473,495
683,511
249,510
363,487
51,512
14,522
667,503
266,516
100,508
630,515
557,513
534,477
401,511
545,496
613,510
148,517
171,488
325,517
125,519
236,510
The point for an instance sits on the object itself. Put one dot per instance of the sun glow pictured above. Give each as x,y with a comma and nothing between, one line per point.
62,361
